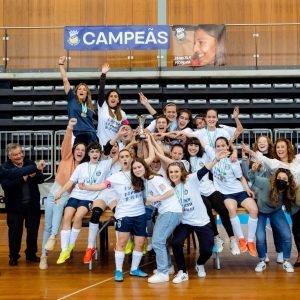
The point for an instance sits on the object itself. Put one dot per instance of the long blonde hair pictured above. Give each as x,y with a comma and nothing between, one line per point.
88,99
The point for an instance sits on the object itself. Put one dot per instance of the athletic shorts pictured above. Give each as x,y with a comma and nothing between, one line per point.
135,225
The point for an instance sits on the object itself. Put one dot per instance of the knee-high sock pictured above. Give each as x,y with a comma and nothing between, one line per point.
119,259
136,259
65,239
236,226
74,235
93,231
252,224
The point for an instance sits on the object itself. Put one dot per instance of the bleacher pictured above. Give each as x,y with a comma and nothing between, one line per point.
270,102
34,113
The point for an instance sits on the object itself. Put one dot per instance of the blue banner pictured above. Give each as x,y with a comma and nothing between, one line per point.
117,37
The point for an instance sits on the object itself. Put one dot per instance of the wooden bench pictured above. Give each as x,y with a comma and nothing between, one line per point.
216,256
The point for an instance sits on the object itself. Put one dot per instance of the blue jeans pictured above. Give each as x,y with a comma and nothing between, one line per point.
164,227
282,228
53,213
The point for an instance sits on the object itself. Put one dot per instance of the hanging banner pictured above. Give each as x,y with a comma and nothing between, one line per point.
199,45
117,37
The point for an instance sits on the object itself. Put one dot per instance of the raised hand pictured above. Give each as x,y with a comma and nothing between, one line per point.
236,112
105,68
62,60
143,99
72,122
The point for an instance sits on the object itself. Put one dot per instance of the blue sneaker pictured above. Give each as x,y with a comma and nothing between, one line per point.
138,273
119,276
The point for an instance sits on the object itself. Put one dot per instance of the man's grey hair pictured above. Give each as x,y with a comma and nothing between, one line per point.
12,146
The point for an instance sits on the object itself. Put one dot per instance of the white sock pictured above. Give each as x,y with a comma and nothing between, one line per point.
74,235
119,259
136,259
252,224
93,231
236,226
64,239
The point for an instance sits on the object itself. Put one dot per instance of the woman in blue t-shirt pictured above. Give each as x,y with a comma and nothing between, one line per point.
80,106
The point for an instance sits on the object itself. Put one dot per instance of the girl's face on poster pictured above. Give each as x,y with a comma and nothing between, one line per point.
204,48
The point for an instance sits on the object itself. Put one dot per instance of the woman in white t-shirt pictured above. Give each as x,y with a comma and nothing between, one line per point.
110,114
80,202
213,130
130,213
194,218
197,157
161,195
229,180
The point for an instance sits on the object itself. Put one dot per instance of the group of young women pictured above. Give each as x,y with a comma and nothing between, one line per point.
176,172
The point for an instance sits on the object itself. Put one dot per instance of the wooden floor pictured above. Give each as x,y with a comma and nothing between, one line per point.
236,280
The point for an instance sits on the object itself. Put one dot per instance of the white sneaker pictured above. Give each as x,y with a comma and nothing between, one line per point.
267,259
180,277
218,244
49,246
279,259
235,249
158,277
261,266
200,270
287,266
171,270
43,262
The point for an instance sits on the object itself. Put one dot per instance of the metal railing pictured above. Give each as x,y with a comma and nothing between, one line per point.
247,45
47,144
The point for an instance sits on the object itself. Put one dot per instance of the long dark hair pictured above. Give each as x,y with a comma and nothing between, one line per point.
118,110
138,182
289,193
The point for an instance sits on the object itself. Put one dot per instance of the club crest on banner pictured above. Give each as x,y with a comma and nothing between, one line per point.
73,39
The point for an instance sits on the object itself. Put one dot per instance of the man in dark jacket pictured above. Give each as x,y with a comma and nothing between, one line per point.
22,199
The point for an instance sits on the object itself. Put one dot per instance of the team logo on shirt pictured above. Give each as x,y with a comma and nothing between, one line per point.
186,192
98,173
119,223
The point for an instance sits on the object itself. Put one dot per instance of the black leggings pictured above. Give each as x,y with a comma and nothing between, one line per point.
216,201
206,242
296,229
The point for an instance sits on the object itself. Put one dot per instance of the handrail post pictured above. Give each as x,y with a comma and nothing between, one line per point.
5,58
